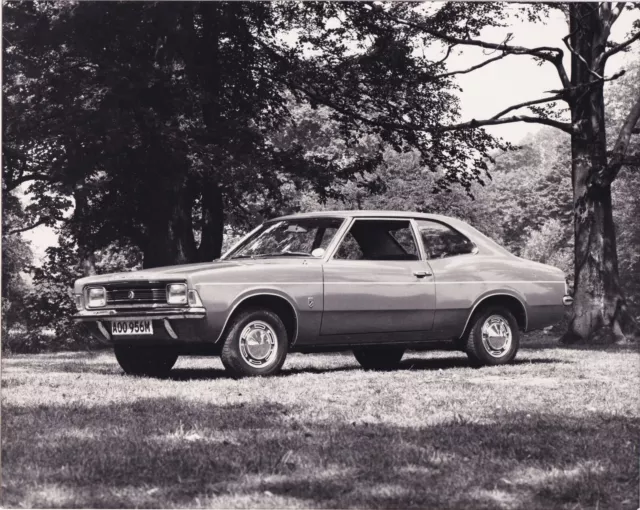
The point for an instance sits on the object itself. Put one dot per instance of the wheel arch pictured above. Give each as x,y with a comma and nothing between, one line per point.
278,303
513,303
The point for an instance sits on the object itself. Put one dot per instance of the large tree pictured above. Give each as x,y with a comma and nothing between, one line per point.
402,32
154,119
158,119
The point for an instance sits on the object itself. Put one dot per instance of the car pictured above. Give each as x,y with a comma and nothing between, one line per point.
374,282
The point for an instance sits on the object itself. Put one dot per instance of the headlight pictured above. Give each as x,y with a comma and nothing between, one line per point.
177,294
96,297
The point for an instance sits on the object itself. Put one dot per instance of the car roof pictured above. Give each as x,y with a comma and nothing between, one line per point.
486,244
358,213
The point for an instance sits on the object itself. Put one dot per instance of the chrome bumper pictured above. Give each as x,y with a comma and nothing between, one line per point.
195,312
567,300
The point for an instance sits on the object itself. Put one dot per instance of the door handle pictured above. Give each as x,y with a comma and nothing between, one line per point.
421,274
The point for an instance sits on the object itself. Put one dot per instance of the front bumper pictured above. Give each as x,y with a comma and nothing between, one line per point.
163,329
194,312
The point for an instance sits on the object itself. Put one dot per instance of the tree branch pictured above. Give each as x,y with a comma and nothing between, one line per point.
473,68
528,103
565,40
539,52
548,53
24,229
472,124
14,183
622,143
619,47
615,13
588,84
563,126
447,54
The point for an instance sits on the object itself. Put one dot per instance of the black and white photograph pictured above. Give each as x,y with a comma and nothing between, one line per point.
320,254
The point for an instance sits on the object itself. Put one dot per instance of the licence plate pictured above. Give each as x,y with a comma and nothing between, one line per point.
132,328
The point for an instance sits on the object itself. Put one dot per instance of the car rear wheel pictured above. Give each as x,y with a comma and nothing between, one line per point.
256,344
493,338
379,358
152,361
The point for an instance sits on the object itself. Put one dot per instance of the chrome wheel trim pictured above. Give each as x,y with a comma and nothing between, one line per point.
258,344
496,335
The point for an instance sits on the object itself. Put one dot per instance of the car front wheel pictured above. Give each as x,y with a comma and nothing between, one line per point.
493,338
152,361
379,358
256,344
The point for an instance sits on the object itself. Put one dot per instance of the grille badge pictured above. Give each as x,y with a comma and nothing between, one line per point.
131,294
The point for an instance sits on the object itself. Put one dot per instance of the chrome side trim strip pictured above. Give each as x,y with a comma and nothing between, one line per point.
204,284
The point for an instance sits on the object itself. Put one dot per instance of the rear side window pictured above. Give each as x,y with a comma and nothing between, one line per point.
442,241
378,240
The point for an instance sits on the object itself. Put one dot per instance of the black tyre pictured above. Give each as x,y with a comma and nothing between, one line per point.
256,344
493,337
152,361
379,358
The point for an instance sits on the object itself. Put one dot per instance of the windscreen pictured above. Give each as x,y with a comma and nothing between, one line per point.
288,238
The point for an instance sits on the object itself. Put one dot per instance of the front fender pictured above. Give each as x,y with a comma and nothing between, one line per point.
305,298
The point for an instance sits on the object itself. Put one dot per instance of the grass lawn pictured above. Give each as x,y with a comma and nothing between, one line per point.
558,429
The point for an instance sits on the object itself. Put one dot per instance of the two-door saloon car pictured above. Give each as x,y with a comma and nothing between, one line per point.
375,282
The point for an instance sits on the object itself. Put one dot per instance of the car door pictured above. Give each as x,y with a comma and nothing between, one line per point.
453,261
377,283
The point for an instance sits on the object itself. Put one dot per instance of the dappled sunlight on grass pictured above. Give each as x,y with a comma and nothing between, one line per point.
558,429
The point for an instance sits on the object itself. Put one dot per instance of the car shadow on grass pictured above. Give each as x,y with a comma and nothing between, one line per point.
159,452
410,364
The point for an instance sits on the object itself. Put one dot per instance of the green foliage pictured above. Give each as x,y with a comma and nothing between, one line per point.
626,188
160,120
550,245
16,257
531,187
49,304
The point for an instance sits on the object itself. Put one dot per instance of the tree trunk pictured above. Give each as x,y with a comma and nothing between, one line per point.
169,229
600,313
212,222
86,249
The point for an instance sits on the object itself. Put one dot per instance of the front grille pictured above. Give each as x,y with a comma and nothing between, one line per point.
136,293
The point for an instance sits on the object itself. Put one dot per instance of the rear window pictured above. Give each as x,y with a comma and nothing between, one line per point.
441,241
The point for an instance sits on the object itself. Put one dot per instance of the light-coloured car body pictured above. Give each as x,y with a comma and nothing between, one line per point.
329,303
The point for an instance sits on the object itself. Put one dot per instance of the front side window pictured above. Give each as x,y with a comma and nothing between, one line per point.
295,237
378,240
442,241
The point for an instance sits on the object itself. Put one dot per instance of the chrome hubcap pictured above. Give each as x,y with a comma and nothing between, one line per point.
258,344
496,335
